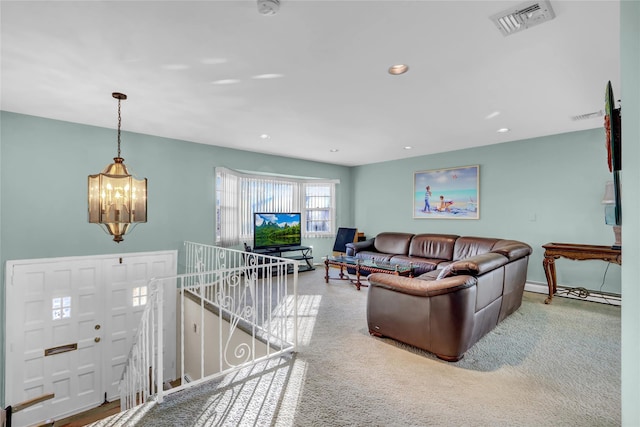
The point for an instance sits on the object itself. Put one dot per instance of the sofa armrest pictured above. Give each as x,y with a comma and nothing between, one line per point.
512,249
419,287
355,247
478,264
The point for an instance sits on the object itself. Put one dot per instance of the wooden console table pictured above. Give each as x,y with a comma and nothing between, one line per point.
573,251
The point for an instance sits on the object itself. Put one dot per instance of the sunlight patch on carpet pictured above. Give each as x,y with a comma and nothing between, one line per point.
308,306
292,394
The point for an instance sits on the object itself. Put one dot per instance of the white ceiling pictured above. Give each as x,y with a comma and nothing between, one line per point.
62,60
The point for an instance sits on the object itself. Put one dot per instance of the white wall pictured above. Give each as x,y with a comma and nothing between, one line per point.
194,319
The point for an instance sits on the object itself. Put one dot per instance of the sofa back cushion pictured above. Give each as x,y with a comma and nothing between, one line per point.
435,246
467,246
393,243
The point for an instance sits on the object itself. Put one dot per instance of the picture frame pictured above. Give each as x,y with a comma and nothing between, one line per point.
454,193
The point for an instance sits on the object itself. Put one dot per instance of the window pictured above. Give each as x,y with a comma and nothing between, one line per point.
139,296
239,195
318,206
61,308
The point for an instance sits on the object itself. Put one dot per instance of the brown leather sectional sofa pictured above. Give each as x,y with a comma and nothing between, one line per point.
461,289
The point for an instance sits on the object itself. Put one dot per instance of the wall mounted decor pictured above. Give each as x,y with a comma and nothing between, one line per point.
452,193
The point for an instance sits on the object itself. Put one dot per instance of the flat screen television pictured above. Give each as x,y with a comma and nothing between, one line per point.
276,230
612,124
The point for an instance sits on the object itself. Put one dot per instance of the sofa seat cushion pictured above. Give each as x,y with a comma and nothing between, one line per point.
430,275
393,243
420,265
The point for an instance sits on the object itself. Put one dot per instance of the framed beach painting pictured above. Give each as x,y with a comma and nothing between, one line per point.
452,193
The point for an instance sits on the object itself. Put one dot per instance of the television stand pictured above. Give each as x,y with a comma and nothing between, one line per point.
298,253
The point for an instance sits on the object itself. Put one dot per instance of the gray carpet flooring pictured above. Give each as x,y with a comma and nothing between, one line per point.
545,365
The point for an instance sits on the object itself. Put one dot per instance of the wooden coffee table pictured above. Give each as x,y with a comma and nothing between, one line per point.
370,266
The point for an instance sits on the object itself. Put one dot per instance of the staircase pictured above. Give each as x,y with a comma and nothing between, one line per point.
236,310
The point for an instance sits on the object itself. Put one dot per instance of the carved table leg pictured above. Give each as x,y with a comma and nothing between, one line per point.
326,271
549,265
342,275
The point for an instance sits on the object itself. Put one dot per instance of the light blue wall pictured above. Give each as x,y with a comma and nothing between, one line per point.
630,177
45,164
44,169
538,190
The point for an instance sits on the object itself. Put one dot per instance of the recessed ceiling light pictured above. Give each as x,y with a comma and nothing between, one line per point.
492,115
398,69
334,150
175,67
214,61
408,147
503,130
225,82
268,76
265,136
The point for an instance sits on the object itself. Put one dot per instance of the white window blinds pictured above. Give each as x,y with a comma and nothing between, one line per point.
239,195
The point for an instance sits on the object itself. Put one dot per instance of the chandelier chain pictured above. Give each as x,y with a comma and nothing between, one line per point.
119,124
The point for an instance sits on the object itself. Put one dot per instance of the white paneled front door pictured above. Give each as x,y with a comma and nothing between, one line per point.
126,296
70,325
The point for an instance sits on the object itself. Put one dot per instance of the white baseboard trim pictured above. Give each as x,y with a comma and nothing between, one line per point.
593,296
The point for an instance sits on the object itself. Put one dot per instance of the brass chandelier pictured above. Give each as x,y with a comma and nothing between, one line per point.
117,200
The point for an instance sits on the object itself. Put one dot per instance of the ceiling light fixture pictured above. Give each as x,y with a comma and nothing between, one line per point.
117,200
214,61
267,76
176,67
225,82
408,147
334,150
265,136
268,7
398,69
503,130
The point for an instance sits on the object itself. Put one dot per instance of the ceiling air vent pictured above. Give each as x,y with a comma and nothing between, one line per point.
523,16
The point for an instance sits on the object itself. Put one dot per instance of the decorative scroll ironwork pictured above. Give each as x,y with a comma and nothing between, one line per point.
250,294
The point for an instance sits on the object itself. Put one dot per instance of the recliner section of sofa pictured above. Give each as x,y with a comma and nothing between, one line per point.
461,289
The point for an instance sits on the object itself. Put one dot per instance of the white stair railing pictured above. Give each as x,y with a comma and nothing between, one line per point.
235,309
143,370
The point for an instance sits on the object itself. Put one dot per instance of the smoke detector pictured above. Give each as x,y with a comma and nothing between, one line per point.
523,16
268,7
